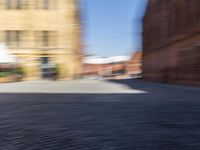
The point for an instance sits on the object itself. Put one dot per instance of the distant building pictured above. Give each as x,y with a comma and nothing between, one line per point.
134,65
106,67
112,67
171,41
42,34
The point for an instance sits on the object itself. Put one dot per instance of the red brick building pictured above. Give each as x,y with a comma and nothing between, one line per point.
114,67
171,41
105,67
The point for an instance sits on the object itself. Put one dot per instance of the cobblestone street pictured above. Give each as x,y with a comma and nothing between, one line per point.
99,115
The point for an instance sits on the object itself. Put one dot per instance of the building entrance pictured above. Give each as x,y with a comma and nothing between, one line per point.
46,68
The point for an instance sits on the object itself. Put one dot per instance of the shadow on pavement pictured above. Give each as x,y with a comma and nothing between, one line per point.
158,88
162,119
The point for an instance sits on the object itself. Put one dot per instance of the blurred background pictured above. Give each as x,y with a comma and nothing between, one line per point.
155,40
75,74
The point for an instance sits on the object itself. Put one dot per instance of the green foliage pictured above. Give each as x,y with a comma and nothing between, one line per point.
4,74
19,71
12,71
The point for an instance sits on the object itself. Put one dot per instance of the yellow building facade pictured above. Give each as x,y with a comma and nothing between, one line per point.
42,34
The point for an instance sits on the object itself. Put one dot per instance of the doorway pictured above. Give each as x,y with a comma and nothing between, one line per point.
46,68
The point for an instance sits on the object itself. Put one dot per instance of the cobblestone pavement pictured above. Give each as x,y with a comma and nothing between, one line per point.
163,117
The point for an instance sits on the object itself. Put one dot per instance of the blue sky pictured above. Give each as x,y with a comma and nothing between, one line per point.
112,27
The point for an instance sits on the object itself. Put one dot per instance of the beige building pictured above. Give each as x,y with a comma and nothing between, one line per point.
42,34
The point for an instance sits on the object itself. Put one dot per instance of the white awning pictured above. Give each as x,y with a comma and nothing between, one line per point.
5,55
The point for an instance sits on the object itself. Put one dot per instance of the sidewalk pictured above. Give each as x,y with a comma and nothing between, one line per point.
74,86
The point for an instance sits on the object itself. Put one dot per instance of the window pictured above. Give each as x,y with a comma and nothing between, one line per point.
18,37
13,38
16,4
45,4
8,38
45,38
9,4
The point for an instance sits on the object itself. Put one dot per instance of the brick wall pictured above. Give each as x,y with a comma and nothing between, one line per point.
171,41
